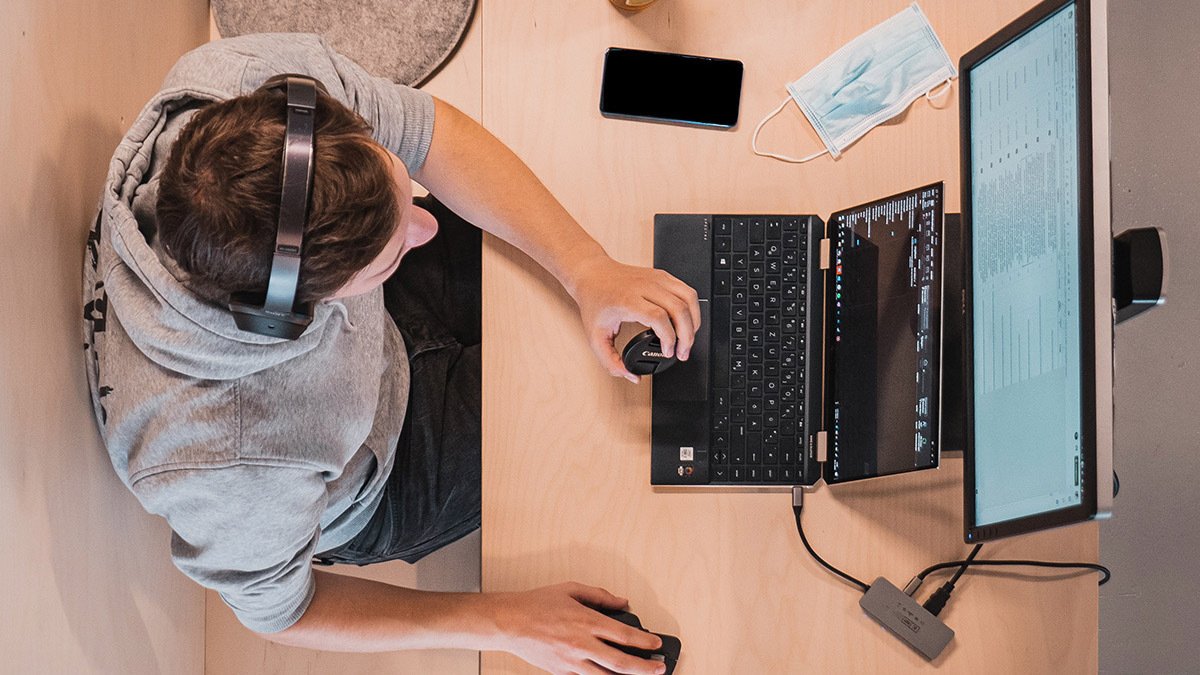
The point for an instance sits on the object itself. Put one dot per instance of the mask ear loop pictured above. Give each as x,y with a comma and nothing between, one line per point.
945,89
785,158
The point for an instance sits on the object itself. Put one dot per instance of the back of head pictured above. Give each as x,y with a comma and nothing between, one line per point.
218,197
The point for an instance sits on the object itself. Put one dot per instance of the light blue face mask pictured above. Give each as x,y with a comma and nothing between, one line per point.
871,79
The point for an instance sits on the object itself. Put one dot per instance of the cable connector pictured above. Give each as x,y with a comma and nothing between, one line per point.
936,602
913,585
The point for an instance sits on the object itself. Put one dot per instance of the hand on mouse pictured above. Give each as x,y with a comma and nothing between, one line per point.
556,629
609,293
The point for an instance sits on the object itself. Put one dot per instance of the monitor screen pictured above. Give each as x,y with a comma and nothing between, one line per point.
1027,304
886,309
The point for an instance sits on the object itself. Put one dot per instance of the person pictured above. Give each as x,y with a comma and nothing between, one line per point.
359,441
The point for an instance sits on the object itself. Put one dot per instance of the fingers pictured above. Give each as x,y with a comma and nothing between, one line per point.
596,597
602,346
659,320
618,661
687,294
681,320
615,631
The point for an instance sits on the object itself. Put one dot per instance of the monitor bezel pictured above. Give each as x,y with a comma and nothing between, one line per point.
1095,270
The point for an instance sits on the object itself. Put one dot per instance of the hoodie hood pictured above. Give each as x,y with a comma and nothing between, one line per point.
167,322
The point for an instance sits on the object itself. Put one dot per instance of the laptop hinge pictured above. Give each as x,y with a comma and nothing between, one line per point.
822,439
824,254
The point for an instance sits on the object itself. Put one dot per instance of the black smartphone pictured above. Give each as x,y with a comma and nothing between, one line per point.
672,88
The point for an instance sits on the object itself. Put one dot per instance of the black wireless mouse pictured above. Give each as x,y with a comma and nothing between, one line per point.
668,653
643,355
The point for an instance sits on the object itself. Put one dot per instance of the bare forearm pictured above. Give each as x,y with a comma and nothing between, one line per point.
359,615
479,178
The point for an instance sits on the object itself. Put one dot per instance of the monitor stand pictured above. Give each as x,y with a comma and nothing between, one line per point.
1139,280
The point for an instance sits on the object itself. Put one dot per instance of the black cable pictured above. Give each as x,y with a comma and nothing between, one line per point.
937,601
1104,571
966,564
797,506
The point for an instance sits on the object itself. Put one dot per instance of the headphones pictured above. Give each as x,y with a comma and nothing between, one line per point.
279,315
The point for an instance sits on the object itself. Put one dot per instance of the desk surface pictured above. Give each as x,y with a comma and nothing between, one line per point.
566,492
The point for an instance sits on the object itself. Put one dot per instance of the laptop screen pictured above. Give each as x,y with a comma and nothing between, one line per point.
1025,247
884,365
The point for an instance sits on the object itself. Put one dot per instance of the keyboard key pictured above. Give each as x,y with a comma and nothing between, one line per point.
771,453
720,423
756,231
722,283
756,355
774,228
721,261
737,400
722,245
741,261
740,236
722,225
791,224
737,413
720,473
753,473
770,473
773,250
757,270
753,442
737,347
757,252
754,406
791,240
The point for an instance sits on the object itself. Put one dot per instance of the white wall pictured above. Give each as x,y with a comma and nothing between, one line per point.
89,587
1150,610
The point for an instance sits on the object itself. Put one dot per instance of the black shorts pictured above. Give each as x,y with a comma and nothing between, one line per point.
432,497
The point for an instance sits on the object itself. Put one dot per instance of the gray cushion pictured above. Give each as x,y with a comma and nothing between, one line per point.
403,40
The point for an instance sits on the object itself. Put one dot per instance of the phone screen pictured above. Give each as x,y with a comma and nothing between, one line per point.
667,87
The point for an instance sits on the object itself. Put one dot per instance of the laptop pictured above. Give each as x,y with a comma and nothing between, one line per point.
819,354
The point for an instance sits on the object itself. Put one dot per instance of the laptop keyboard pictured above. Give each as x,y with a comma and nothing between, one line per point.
758,320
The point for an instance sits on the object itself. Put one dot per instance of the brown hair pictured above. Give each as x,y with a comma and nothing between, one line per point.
218,197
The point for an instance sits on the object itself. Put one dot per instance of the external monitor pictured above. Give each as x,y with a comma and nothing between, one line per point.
1038,277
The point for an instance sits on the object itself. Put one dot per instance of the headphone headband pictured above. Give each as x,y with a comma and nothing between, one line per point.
279,315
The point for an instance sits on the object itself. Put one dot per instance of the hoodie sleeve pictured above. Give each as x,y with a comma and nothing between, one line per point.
246,531
402,117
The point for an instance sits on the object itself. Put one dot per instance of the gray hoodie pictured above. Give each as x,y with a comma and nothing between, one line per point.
259,452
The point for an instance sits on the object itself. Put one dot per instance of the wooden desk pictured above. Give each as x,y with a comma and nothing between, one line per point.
566,492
